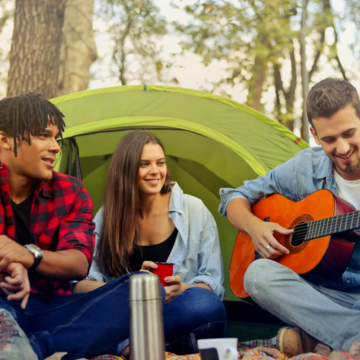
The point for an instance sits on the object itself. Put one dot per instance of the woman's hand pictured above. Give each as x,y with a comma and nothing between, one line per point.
147,265
15,283
174,288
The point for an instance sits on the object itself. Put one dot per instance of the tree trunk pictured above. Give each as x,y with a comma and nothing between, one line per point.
78,48
259,71
35,48
257,83
305,76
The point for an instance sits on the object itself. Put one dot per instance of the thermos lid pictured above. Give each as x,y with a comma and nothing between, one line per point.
144,287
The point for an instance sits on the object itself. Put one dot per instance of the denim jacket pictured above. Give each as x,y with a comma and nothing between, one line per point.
196,252
309,170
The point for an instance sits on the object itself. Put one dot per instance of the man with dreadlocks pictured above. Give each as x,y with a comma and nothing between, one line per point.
46,242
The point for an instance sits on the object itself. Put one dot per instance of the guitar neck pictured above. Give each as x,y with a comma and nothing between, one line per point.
332,225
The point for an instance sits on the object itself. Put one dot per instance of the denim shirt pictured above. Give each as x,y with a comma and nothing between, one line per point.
196,252
309,170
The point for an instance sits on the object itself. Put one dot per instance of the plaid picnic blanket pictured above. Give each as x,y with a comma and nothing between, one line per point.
249,350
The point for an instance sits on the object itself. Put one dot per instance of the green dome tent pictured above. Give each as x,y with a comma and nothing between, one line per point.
210,141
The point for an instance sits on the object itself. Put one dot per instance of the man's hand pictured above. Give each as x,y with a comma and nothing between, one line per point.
11,251
261,232
264,241
14,281
175,287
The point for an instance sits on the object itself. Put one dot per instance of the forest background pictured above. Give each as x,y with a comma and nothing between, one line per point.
264,53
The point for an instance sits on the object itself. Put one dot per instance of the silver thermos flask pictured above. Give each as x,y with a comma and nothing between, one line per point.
146,318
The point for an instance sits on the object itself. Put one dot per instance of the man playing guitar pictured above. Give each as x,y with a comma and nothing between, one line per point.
327,315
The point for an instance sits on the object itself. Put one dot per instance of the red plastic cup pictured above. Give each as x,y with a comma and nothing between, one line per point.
164,270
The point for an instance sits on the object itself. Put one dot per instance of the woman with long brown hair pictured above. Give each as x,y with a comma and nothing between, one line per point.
147,219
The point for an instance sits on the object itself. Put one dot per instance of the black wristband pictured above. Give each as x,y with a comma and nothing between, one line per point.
35,264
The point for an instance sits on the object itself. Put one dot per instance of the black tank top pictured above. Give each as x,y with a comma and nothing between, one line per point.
157,253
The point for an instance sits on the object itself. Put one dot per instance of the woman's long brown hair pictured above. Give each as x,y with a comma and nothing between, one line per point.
120,228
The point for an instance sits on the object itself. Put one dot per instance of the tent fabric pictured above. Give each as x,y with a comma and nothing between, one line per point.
210,141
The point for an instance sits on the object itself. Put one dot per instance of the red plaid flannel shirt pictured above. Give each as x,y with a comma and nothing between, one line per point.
61,219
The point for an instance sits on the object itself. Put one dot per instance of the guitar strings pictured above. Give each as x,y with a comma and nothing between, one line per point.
332,228
302,229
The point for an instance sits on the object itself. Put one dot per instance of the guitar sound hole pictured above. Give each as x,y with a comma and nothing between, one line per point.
299,234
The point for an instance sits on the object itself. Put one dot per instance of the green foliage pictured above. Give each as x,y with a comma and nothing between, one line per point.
352,13
6,14
259,39
235,26
135,28
240,32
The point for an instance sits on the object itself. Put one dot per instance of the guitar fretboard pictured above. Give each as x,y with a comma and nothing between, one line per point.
328,226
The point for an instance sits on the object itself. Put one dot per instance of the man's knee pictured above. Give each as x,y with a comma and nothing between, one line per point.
259,276
265,277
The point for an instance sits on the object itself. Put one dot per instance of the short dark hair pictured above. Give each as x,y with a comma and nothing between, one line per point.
28,114
330,95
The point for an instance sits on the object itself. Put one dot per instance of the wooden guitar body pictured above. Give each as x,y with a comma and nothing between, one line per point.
321,261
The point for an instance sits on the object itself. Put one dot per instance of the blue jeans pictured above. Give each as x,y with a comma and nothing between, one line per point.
195,314
94,323
331,316
84,325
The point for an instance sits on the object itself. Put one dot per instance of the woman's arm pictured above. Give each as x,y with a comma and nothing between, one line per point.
210,263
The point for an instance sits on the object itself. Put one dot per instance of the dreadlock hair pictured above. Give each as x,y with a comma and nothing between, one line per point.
29,114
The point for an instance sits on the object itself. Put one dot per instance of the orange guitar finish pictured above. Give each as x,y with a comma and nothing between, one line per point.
319,259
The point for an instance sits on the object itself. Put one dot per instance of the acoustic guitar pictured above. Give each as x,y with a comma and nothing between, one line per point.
320,246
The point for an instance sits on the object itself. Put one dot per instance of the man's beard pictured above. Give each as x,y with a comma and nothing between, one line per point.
348,169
